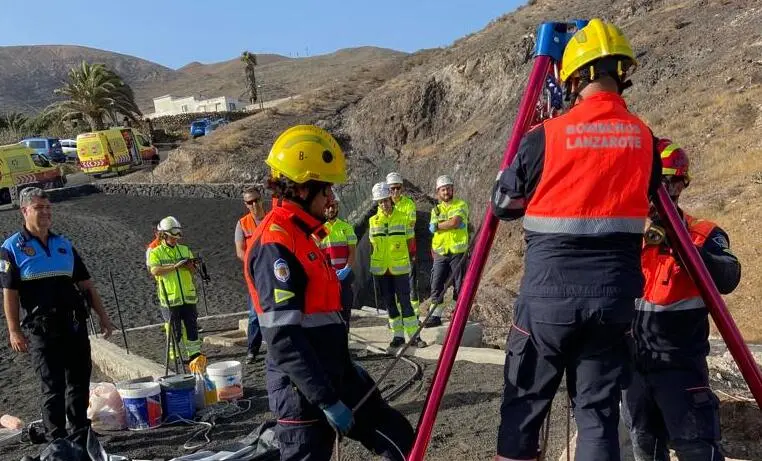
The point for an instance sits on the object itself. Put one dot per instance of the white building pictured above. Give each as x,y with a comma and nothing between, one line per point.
169,105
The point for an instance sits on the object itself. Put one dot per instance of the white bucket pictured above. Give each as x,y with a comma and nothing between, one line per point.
227,379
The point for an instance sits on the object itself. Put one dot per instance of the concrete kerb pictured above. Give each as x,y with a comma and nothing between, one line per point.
116,363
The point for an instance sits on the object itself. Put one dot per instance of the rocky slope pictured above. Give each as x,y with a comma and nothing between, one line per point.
450,111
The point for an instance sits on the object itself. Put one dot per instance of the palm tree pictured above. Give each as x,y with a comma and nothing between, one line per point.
14,122
93,92
250,61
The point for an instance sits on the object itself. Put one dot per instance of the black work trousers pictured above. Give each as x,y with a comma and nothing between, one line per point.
442,268
673,407
60,351
347,298
305,435
586,338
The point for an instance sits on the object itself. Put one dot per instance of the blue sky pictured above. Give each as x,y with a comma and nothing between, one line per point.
176,32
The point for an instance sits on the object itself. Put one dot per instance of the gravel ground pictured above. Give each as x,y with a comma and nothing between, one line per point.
110,232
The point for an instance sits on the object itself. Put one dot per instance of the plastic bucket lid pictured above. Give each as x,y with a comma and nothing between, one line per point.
144,379
139,390
186,381
230,367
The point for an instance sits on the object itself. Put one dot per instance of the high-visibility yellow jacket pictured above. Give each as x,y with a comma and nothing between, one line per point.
175,287
451,241
389,235
407,206
335,245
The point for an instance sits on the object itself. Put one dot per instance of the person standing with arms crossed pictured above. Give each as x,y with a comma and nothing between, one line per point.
449,226
244,230
44,277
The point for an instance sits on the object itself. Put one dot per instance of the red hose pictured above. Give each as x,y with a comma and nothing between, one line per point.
478,260
714,302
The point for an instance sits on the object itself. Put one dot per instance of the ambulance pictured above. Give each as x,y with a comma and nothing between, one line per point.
141,150
21,166
102,152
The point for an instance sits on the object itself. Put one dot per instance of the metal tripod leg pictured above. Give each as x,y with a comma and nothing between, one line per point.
172,342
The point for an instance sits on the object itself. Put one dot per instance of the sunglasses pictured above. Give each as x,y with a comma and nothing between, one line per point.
252,202
395,188
175,233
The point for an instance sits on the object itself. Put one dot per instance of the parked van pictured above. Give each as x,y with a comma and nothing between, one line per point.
50,147
21,166
101,152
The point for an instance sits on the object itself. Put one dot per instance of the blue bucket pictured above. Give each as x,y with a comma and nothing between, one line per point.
178,397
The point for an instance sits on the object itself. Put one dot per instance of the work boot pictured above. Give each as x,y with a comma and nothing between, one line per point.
419,343
432,322
396,343
251,358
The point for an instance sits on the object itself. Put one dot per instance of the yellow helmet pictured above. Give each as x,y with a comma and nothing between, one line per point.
307,153
596,40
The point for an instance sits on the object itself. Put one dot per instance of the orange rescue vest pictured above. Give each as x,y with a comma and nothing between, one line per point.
668,285
596,172
289,225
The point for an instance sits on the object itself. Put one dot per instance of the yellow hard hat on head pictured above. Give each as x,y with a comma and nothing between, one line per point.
307,153
596,40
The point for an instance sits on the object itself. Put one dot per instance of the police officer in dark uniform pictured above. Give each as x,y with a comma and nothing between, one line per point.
312,383
42,275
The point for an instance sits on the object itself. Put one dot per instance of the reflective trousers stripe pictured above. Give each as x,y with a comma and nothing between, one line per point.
682,305
395,324
272,319
583,226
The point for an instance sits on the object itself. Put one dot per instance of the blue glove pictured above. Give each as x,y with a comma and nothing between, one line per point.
339,417
343,272
432,227
462,225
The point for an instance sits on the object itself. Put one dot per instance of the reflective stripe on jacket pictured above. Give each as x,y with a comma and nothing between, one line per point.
336,244
451,241
296,295
389,235
176,287
597,168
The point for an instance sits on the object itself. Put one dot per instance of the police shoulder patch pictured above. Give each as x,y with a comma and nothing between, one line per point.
29,251
281,270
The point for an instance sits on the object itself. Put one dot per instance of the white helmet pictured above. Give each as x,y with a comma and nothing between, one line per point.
444,180
393,178
381,191
168,224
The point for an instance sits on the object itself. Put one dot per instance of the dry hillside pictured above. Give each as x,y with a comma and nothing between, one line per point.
699,82
29,74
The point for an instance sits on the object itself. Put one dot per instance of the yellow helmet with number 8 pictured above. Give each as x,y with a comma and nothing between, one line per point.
307,153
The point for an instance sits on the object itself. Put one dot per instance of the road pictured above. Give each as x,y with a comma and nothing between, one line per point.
77,179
